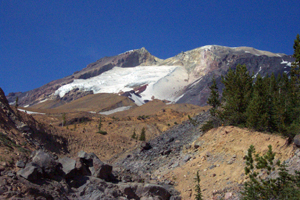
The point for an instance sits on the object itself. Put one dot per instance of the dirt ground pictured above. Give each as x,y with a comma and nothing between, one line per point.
219,160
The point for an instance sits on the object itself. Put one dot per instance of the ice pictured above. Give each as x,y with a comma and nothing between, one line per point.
115,110
159,80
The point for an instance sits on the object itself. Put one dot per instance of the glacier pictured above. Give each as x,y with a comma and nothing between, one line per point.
159,80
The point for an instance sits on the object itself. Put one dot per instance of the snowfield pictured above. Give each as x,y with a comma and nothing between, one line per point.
163,82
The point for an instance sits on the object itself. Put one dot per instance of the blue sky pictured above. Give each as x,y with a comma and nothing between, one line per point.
42,40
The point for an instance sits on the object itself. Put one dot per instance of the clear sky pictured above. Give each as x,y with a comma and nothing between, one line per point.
44,40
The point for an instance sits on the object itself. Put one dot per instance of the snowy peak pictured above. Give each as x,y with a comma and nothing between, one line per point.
183,78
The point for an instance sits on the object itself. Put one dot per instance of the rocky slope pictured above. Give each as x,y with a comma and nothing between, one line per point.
175,157
184,78
128,59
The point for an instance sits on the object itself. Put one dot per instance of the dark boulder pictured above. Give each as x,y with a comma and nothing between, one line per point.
145,146
31,172
68,167
97,168
47,162
151,190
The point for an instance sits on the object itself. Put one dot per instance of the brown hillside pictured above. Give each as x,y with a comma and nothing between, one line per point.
219,160
92,102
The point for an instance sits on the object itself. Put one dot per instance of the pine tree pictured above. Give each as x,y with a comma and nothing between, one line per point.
198,195
236,95
260,110
213,99
17,103
143,134
134,136
284,186
63,120
100,125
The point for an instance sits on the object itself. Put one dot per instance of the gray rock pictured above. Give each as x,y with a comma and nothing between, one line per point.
156,191
145,146
20,164
213,166
100,169
68,166
97,168
23,127
46,162
297,140
82,154
186,158
30,172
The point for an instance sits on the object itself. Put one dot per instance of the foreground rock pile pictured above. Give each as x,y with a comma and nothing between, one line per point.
86,177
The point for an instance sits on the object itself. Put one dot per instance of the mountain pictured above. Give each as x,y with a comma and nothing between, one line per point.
142,77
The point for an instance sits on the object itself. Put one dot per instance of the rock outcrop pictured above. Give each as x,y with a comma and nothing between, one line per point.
85,177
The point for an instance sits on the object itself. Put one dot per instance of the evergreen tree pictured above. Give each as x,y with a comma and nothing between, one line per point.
260,110
63,120
284,186
213,99
236,95
143,134
198,195
134,136
17,103
100,125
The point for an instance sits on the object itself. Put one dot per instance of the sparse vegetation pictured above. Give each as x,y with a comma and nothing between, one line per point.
198,195
207,126
193,121
6,141
100,124
102,132
260,186
63,120
99,128
134,136
143,134
143,117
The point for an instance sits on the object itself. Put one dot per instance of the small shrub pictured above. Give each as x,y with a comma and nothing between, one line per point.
169,125
175,123
102,132
193,121
143,134
207,126
134,136
142,117
284,186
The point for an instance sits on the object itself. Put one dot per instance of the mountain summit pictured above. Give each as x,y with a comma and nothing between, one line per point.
137,74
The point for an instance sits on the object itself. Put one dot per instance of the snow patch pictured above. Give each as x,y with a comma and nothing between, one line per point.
43,100
120,109
289,64
257,73
137,100
163,82
247,51
30,112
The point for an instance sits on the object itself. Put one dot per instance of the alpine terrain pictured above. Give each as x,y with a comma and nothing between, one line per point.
134,126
